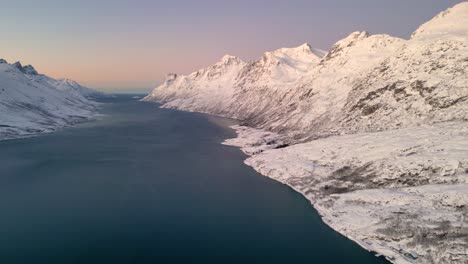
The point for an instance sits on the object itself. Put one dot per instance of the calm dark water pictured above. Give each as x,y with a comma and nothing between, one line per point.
147,185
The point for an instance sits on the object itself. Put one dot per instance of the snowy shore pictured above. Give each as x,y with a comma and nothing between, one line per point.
358,183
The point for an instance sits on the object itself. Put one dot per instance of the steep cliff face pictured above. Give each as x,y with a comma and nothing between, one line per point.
32,103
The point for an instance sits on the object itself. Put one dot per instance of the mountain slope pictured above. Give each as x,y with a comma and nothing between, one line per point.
448,24
74,87
272,77
238,85
317,99
33,103
364,83
206,90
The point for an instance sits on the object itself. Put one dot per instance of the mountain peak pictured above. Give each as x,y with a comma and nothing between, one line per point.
304,48
301,54
349,41
452,22
18,65
317,52
353,38
29,69
308,49
171,77
229,59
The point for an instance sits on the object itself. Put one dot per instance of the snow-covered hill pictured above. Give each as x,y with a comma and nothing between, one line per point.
32,103
377,128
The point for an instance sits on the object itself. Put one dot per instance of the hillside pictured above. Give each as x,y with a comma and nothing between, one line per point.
32,103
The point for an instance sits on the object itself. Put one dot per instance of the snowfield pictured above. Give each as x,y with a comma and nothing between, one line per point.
32,103
373,132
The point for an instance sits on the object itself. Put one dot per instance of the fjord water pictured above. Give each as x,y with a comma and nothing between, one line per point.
149,185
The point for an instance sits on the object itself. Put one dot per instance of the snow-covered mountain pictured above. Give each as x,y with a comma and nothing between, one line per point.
377,128
364,83
75,87
32,103
206,90
221,88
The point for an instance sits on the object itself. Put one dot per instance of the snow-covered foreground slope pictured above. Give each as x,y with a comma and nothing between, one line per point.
402,193
374,133
32,103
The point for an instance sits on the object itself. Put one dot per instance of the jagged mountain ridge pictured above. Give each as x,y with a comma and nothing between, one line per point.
364,83
32,103
205,90
195,92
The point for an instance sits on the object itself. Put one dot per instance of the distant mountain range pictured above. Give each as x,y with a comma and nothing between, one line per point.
32,103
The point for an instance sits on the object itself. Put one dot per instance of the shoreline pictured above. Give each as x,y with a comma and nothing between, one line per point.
249,153
44,131
261,147
322,216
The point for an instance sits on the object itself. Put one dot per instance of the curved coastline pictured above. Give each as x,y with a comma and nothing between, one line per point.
366,212
246,149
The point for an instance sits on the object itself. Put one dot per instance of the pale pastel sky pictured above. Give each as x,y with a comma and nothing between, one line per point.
129,46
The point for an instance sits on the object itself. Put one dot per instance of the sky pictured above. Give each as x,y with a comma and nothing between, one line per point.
129,46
